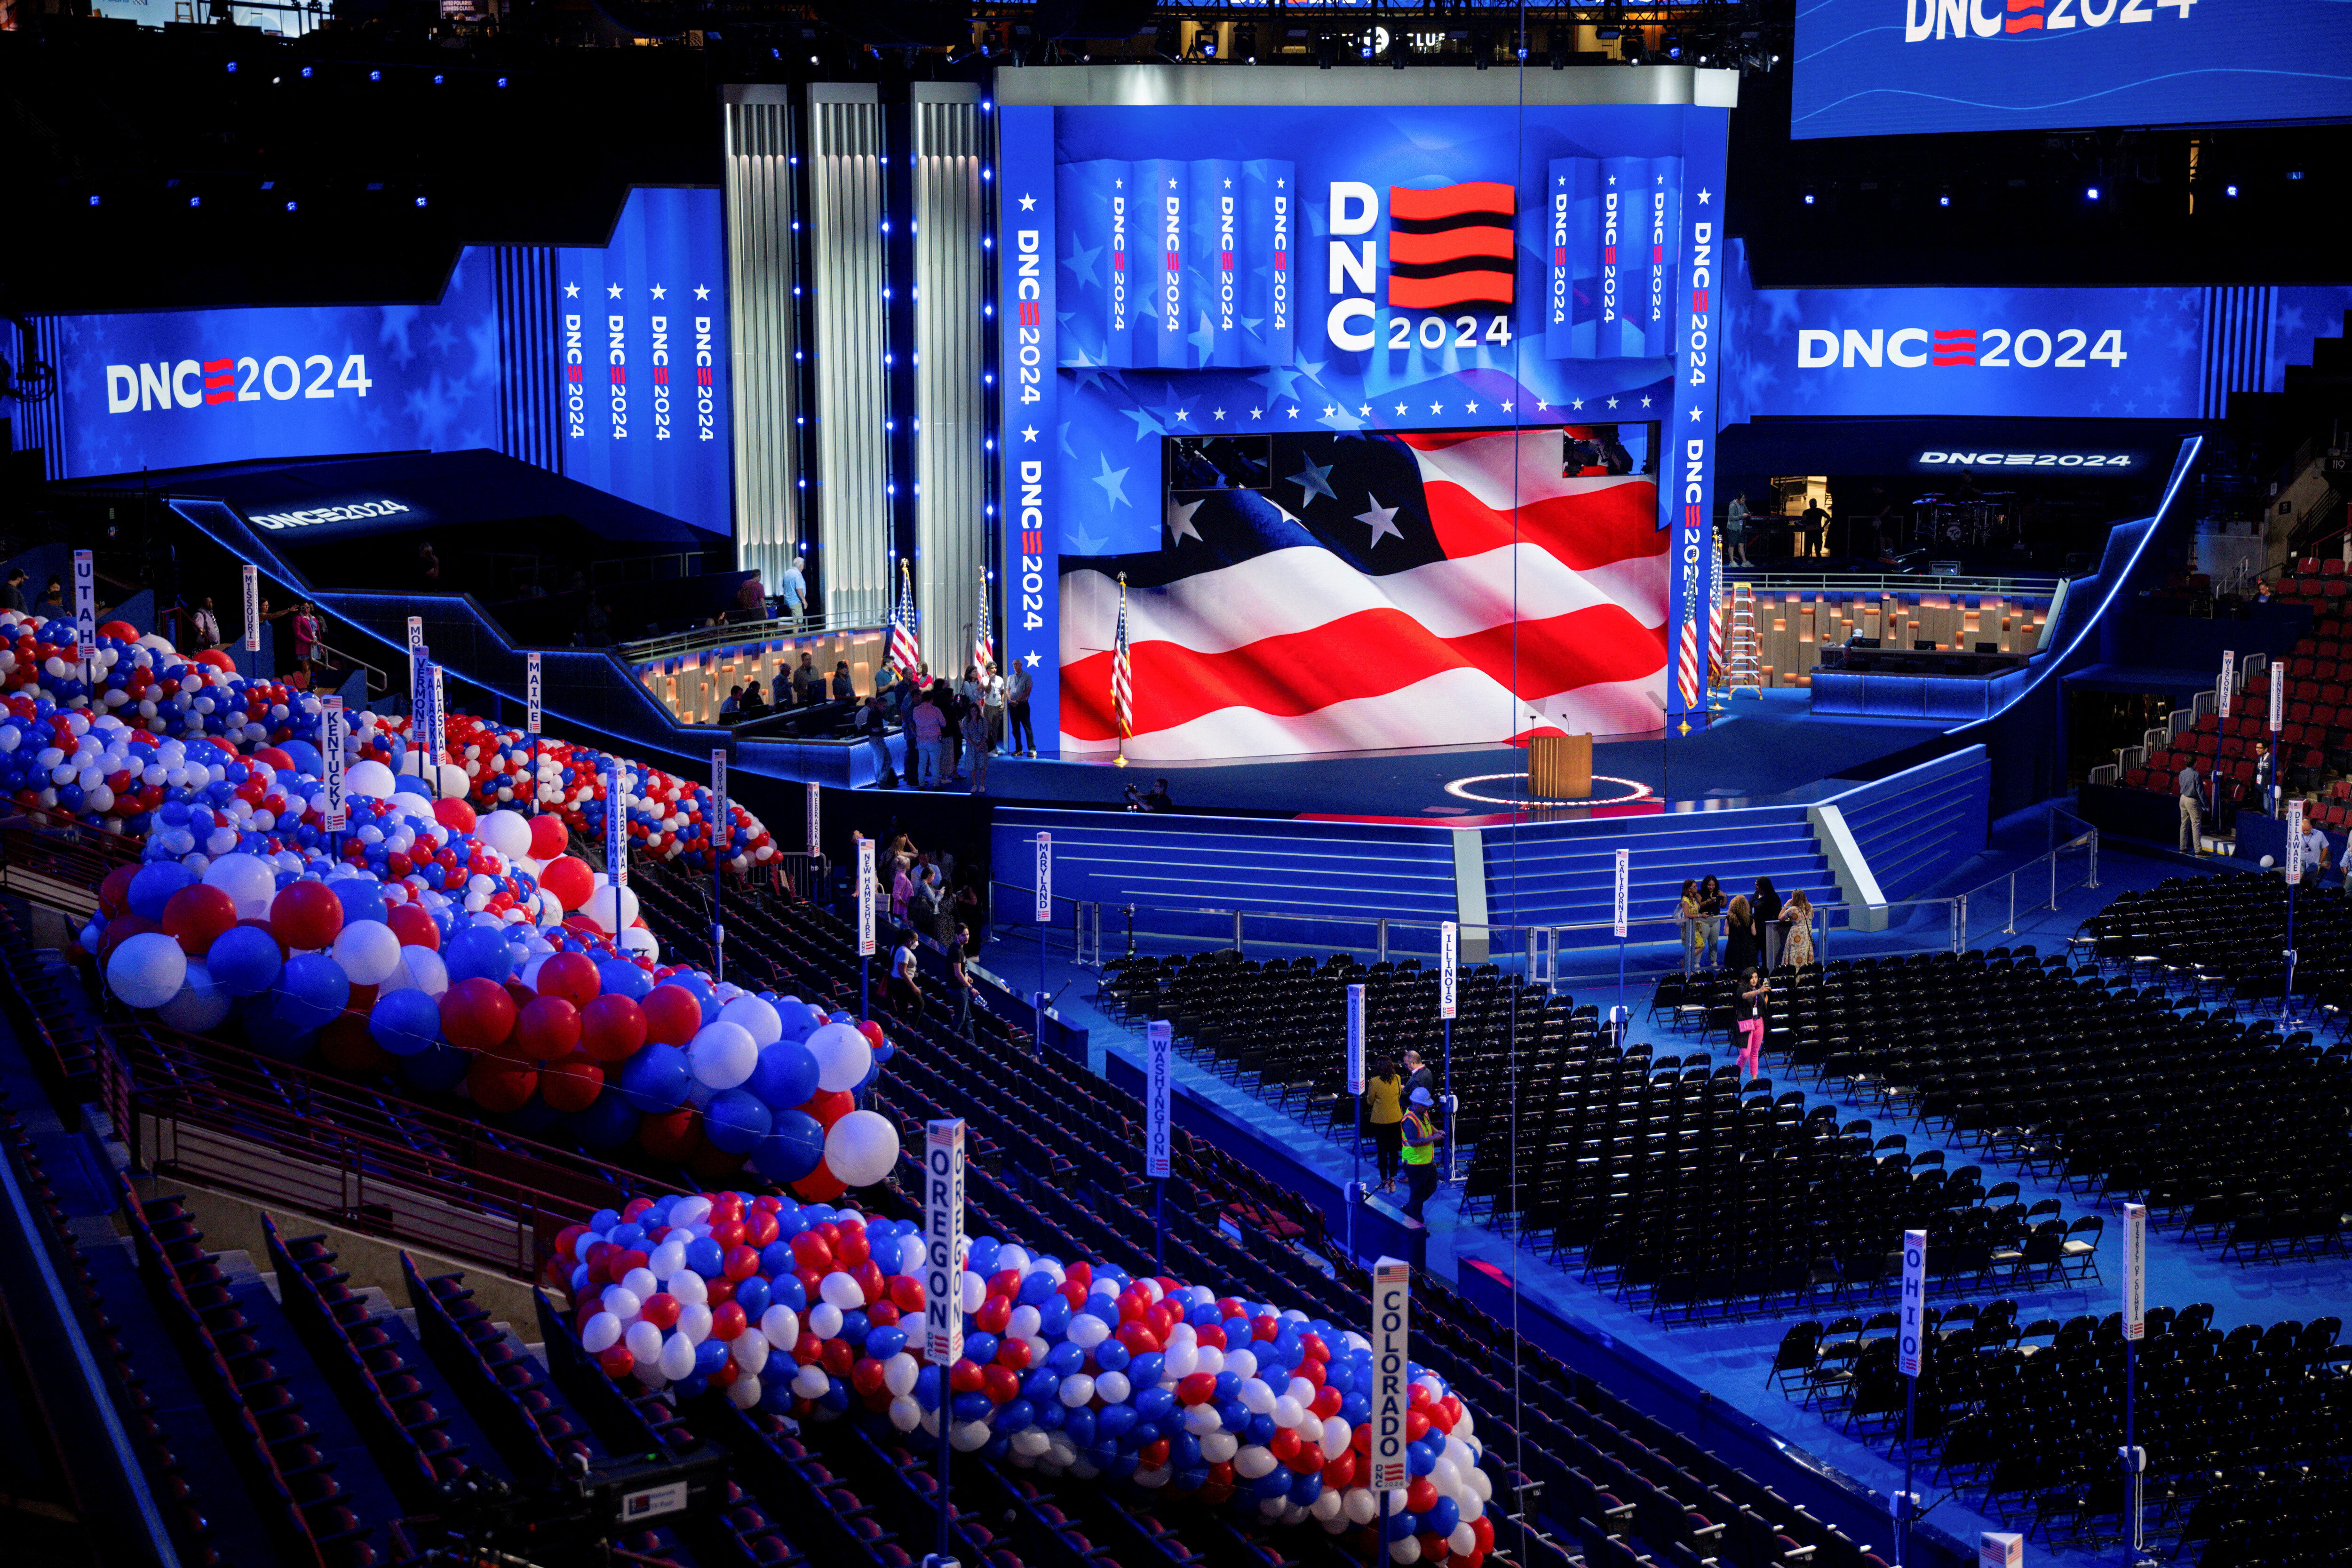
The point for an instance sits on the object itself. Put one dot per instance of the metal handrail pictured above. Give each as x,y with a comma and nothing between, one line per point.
382,682
774,629
1888,583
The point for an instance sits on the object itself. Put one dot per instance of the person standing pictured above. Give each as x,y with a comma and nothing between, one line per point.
2265,766
1418,1076
1022,740
1420,1151
1385,1109
975,749
2314,843
926,724
1797,919
750,601
1754,992
1739,942
874,723
1686,920
1811,526
991,703
1735,531
15,597
792,590
1710,915
206,625
960,980
904,993
1766,906
2191,787
950,707
808,682
845,689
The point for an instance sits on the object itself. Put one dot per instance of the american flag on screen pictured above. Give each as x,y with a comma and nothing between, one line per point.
1385,591
983,633
1122,670
906,655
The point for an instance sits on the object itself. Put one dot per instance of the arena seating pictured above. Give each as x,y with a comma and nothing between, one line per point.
2315,738
2030,1415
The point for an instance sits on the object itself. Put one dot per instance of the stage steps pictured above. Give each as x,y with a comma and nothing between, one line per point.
1564,873
1914,827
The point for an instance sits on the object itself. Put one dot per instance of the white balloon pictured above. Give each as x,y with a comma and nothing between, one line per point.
199,1004
623,1303
966,1436
1078,1389
508,831
1463,1539
1286,1412
1200,1420
694,1323
974,1292
367,951
901,1373
755,1017
1218,1447
842,1290
689,1288
750,1350
1179,1360
744,1392
1087,1331
781,1326
677,1356
1405,1551
1337,1435
645,1342
1327,1504
1024,1322
862,1148
147,970
1310,1430
601,1332
905,1414
1254,1461
824,1320
1114,1387
810,1382
424,970
842,1057
1255,1397
722,1055
1363,1506
371,779
669,1257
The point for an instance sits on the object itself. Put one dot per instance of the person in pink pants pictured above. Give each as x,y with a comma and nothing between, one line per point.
1755,991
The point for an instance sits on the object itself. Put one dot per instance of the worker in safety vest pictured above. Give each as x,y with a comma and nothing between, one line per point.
1420,1136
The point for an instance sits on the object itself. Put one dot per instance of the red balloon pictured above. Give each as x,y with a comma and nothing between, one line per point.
549,837
548,1029
498,1084
742,1262
570,879
120,930
1283,1445
616,1361
672,1135
347,1046
195,915
413,926
1420,1495
672,1015
1339,1473
275,758
1198,1388
873,1033
114,893
999,1382
1435,1547
477,1014
1014,1354
612,1028
454,814
306,916
121,631
811,1250
571,975
570,1083
831,1107
819,1186
660,1310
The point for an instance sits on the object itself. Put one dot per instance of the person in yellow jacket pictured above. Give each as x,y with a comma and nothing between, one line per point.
1420,1136
1385,1109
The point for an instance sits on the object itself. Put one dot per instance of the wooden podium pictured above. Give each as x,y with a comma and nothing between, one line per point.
1560,767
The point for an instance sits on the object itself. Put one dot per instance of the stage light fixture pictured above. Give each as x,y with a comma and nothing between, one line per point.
1943,198
1631,49
1169,42
1809,198
2229,191
991,39
1670,43
232,67
2091,193
1245,41
292,205
420,200
375,76
306,73
2294,174
93,201
1326,51
195,201
438,79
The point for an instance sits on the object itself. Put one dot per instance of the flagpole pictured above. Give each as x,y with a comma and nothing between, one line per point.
1118,664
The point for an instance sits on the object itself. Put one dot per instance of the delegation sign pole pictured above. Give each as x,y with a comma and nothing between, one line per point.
864,927
1356,1093
1910,1345
531,720
337,812
943,1253
1045,916
1449,973
2135,1330
1391,1386
1159,1047
718,832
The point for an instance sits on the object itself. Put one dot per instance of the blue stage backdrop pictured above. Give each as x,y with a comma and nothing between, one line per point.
1885,67
1403,321
606,363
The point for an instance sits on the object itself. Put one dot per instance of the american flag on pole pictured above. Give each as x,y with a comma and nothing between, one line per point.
906,655
1714,578
1380,592
1122,670
983,636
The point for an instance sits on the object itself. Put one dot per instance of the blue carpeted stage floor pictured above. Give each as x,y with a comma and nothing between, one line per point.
1757,749
1729,1361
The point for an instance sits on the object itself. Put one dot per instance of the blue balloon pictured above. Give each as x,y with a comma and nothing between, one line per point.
776,1258
881,1344
1040,1385
622,978
972,1406
709,1357
751,1295
304,756
1065,1359
153,884
735,1121
608,1122
1420,1459
1016,1415
405,1022
704,1257
362,898
655,1079
312,991
477,950
442,1068
1145,1370
786,1290
1112,1356
794,1146
980,1347
1153,1403
1442,1516
786,1074
1035,1287
244,960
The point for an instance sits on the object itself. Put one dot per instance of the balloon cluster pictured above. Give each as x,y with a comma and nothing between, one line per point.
1069,1368
155,727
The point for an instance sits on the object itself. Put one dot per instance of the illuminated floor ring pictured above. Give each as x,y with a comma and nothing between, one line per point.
1635,790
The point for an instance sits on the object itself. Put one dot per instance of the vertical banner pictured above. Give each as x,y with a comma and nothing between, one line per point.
1218,260
2278,712
85,586
1663,220
2221,693
1624,242
1097,205
1030,396
943,1241
866,898
1686,458
1392,1389
2294,842
1355,1039
417,656
1269,281
1449,968
1908,1334
1624,889
436,735
531,717
616,831
1158,1070
1044,911
718,826
1560,245
816,820
252,608
2135,1270
334,808
1163,325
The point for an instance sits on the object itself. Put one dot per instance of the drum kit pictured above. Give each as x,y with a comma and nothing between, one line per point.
1976,518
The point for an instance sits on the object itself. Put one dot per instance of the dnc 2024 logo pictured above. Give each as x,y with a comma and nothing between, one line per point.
1925,21
1450,249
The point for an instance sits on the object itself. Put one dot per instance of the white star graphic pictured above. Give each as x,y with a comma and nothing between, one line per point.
1031,659
1469,408
1327,411
1313,480
1437,408
1507,408
1612,403
1576,403
1292,411
1382,519
571,290
1400,408
1694,416
660,293
1257,413
1028,203
613,290
1542,406
1645,403
1113,482
1703,195
1029,433
700,293
1229,184
1220,413
1180,416
1180,524
1366,409
1171,182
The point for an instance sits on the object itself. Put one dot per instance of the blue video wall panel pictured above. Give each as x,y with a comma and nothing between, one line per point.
633,389
1887,67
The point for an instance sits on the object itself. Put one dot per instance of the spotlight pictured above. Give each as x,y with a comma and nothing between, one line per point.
290,206
438,79
2091,193
420,200
1631,49
375,76
306,73
1670,43
93,201
2294,174
502,81
991,39
1944,198
1809,198
2227,191
1245,41
195,201
232,67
